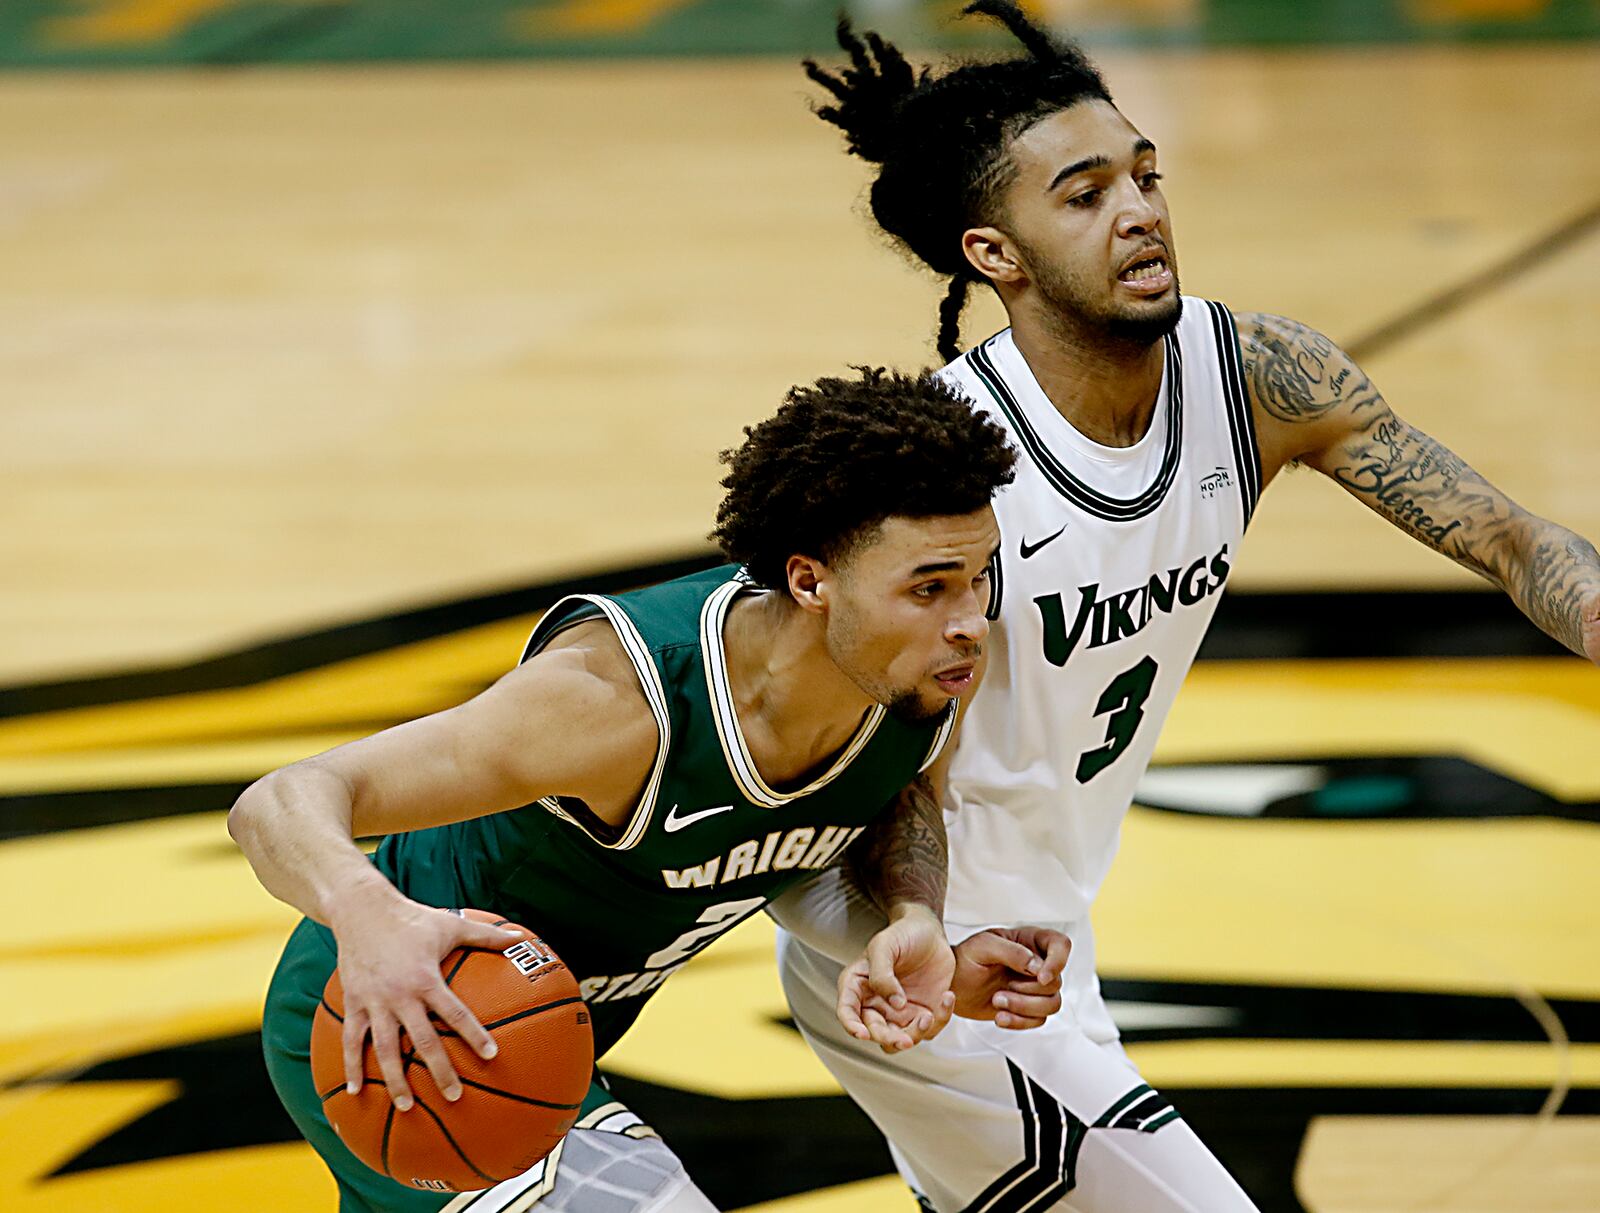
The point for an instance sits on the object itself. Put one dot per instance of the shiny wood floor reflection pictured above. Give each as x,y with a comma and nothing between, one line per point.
287,346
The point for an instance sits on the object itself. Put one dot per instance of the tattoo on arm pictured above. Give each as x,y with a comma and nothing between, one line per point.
1298,375
1431,493
1428,491
902,857
1560,574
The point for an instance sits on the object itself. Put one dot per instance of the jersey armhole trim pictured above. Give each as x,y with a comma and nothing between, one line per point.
941,737
633,644
1246,450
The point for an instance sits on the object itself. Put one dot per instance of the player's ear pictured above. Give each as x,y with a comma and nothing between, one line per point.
808,582
992,253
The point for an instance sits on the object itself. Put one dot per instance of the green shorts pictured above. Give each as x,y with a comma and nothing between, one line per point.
308,960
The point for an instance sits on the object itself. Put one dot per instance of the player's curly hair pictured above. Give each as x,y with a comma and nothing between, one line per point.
842,455
941,141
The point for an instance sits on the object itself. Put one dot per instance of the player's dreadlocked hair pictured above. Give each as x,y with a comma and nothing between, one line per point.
940,141
842,455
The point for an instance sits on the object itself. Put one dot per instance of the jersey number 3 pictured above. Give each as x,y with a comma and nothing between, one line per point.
1124,699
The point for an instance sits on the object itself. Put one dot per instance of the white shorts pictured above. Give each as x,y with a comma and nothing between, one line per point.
984,1120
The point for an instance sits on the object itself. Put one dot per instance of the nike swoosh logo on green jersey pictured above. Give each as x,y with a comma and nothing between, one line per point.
674,823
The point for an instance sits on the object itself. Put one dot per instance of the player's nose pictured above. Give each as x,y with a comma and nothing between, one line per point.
969,625
1139,216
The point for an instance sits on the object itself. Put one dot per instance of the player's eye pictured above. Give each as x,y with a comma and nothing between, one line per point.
1147,181
983,576
1084,200
929,590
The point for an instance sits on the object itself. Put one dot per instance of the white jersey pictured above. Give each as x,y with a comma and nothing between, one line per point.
1112,561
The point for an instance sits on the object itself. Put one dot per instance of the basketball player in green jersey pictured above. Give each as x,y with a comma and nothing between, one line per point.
659,767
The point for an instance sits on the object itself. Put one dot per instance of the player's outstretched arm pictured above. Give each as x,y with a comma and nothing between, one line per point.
1314,405
571,721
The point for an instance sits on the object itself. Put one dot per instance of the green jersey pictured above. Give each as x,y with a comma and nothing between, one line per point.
707,845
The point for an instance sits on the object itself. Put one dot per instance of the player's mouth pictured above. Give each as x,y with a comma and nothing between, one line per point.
1147,272
956,679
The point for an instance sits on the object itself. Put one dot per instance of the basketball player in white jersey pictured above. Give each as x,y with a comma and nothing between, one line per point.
1149,425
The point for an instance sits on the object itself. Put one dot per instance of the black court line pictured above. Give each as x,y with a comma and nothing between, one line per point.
1248,625
259,663
28,814
1452,299
1368,624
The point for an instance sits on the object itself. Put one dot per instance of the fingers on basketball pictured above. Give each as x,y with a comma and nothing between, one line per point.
513,1109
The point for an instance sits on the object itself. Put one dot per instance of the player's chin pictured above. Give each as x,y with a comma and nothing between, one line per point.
919,707
1148,317
1145,303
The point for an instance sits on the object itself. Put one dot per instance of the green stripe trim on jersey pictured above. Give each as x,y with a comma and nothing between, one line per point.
655,695
1081,494
1110,1113
1165,1119
740,764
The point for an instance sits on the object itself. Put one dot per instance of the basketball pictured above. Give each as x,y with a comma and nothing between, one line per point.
513,1109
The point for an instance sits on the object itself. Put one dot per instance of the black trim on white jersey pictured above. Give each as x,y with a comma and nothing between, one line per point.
1246,451
1087,498
997,583
1051,1139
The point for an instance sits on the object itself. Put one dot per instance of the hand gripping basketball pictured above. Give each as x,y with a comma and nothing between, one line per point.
487,1120
389,954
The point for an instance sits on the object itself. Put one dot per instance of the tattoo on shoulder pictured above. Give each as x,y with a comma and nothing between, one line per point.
1296,374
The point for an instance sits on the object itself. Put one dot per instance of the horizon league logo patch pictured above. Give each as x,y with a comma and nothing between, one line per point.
528,956
1125,613
1214,483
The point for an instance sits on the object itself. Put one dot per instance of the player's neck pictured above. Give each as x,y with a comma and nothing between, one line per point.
796,707
1106,388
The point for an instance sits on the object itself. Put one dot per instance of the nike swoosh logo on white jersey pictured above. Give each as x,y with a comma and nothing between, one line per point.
1028,549
674,823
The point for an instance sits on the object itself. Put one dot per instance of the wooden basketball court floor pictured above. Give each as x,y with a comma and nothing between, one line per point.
284,350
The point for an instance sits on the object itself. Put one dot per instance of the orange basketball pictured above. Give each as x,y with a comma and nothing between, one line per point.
513,1109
